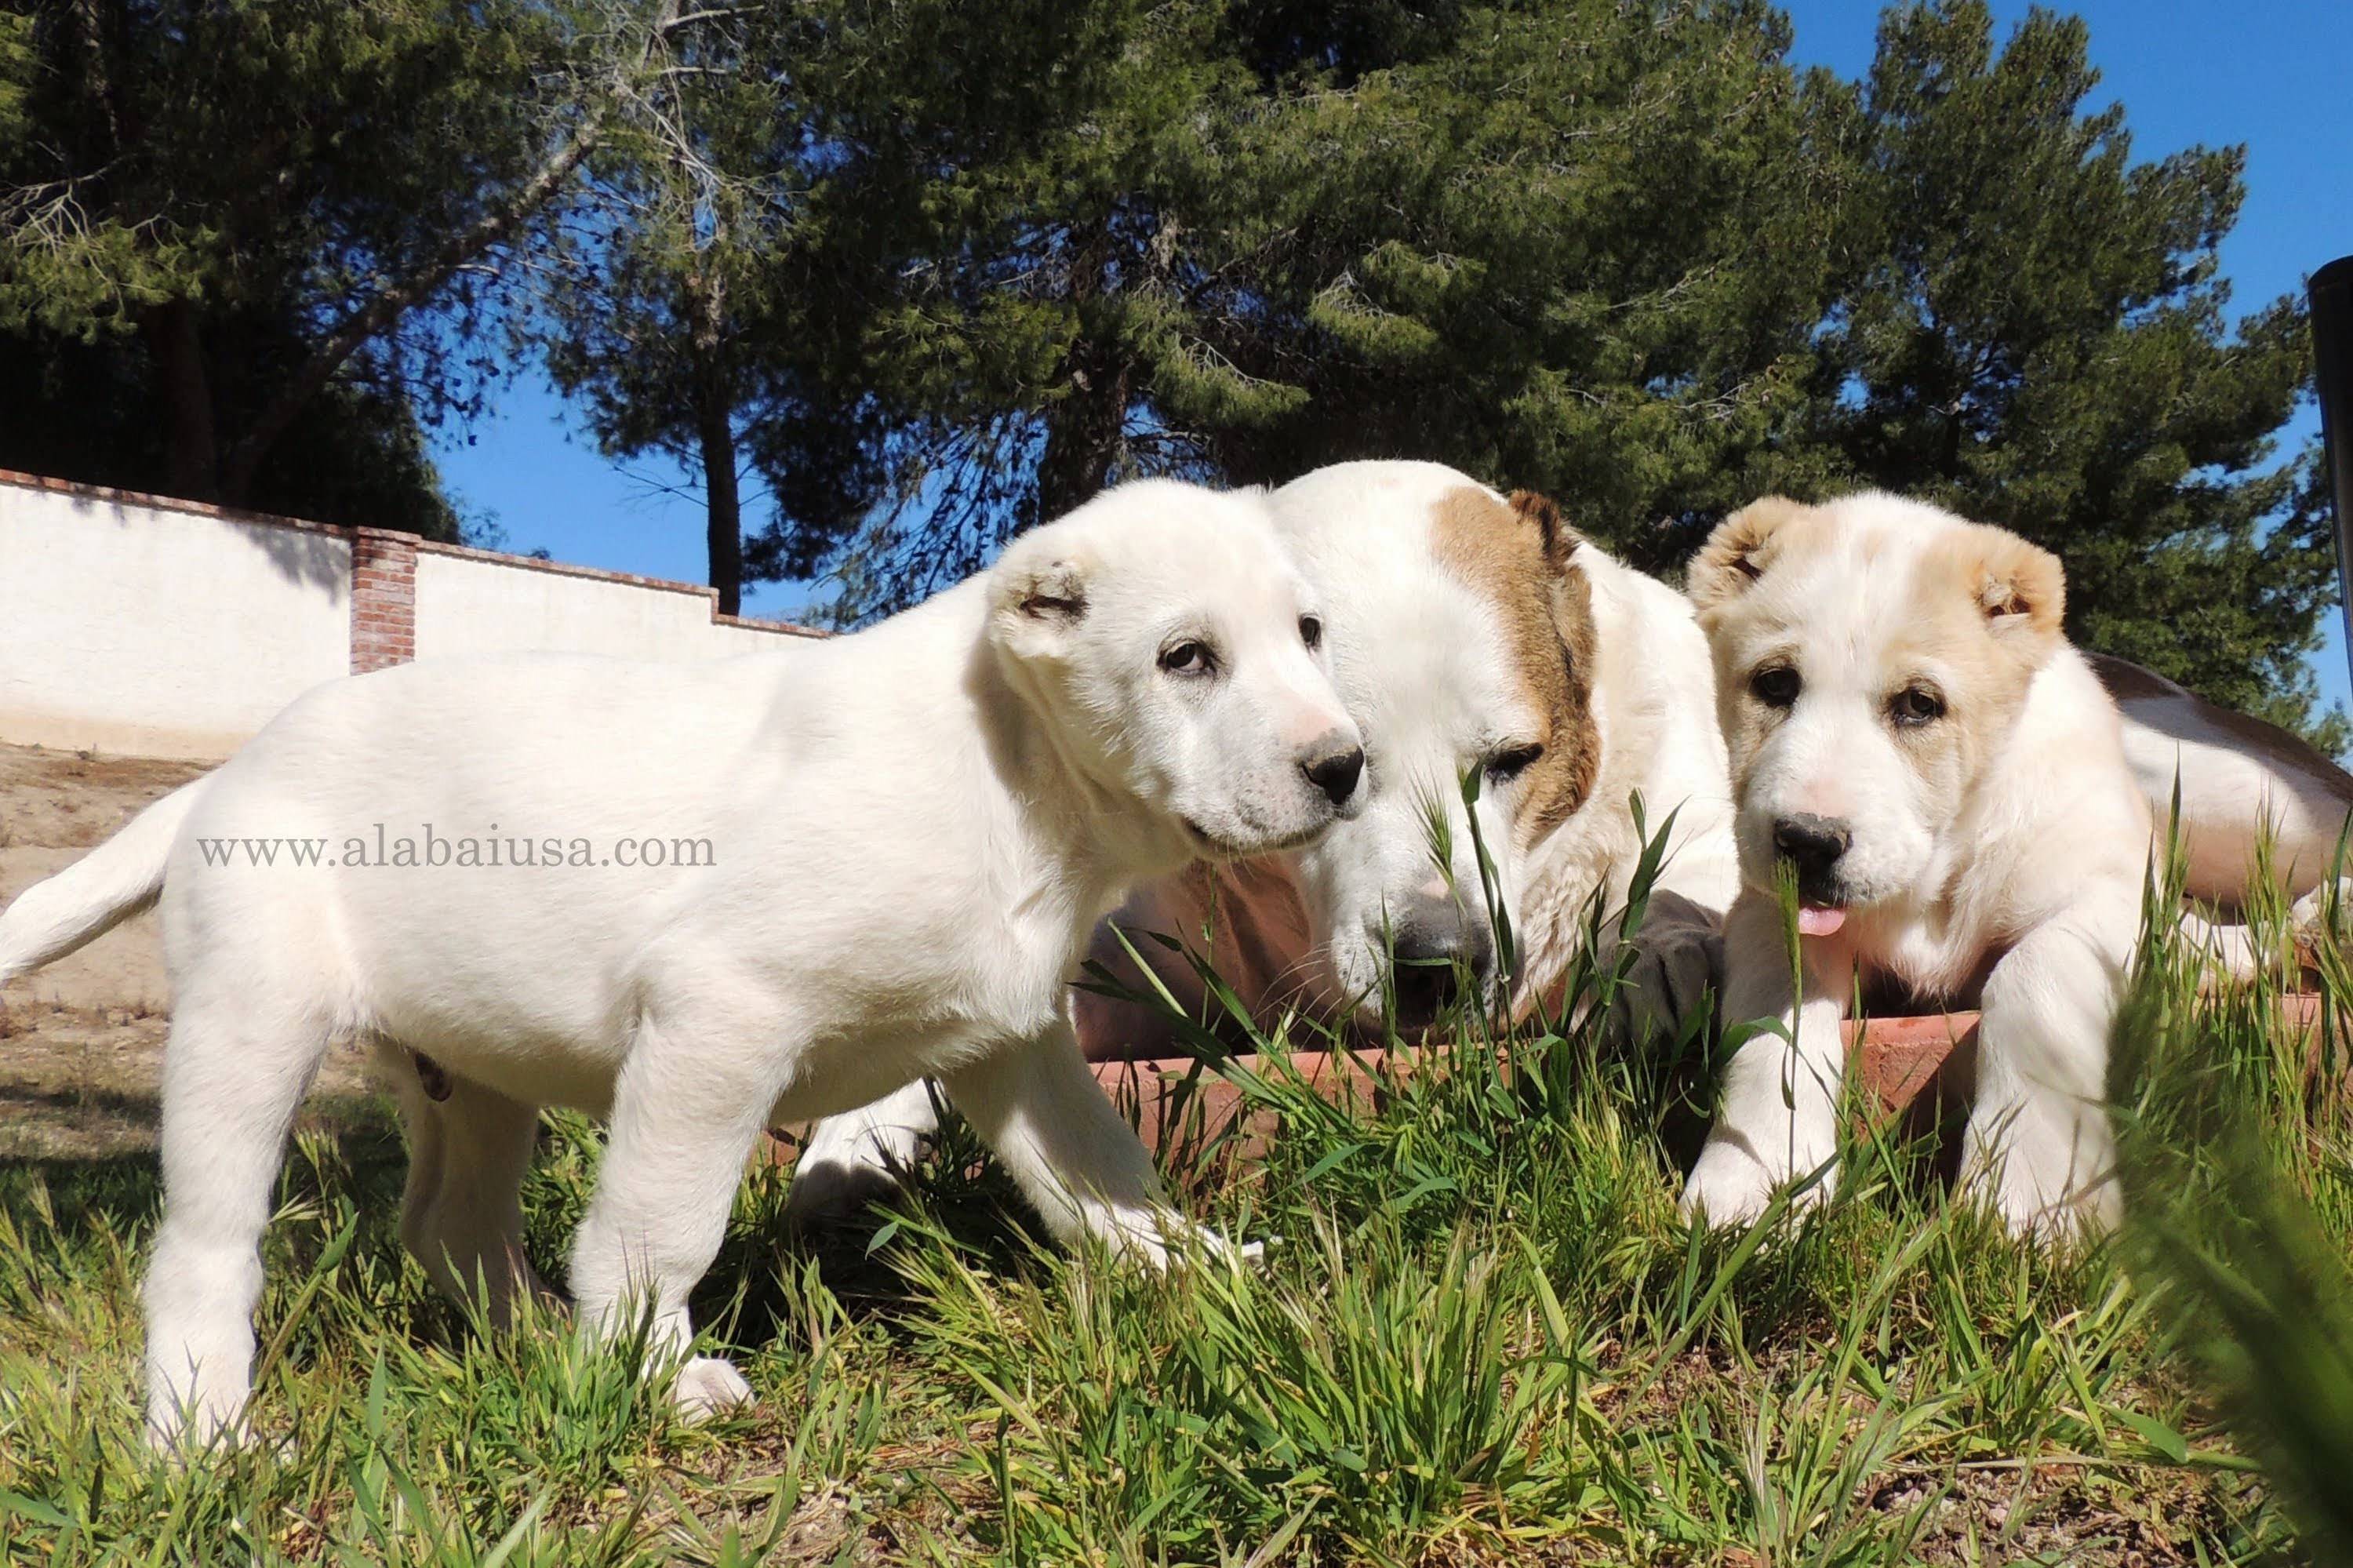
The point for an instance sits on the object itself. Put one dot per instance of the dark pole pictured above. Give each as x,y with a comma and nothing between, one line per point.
2332,356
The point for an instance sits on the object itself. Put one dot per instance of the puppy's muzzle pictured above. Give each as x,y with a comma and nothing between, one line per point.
1436,948
1333,766
1814,846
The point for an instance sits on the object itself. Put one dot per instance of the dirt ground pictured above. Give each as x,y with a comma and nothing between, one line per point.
82,1042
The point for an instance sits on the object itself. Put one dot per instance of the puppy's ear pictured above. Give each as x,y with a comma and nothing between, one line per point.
1561,781
1540,511
1739,550
1572,591
2021,587
1038,597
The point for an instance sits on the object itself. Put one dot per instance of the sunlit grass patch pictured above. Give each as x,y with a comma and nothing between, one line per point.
1480,1335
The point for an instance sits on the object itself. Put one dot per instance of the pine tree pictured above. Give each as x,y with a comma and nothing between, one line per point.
1525,240
669,312
1582,246
274,222
1627,255
2041,339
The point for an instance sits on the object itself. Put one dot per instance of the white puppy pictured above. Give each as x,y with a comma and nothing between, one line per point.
1910,729
899,842
1468,631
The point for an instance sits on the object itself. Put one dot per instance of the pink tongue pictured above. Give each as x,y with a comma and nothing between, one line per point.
1814,922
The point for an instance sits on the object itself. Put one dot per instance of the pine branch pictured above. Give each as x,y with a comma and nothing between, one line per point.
382,312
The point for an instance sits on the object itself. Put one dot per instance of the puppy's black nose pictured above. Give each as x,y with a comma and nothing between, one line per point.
1336,773
1432,947
1425,988
1811,843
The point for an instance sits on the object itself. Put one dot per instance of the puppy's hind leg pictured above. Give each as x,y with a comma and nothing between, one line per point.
1040,1110
461,1214
235,1067
421,1130
691,1100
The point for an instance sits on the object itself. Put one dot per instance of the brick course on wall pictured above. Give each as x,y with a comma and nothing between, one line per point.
383,599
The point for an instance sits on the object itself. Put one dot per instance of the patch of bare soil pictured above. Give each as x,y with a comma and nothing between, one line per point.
82,1042
2064,1513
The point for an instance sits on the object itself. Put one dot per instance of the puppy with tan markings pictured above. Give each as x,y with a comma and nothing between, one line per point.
1911,731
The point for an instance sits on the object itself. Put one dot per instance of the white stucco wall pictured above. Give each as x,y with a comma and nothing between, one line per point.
146,631
466,603
144,628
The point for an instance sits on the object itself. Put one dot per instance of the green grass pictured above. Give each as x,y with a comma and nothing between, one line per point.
1480,1336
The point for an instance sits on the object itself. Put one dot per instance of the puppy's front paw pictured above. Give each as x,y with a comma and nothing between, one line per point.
1158,1239
2031,1214
855,1161
1730,1187
2050,1189
1205,1242
1676,973
204,1431
708,1386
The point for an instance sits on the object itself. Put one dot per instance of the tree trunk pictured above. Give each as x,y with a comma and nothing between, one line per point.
1085,431
714,420
383,311
173,337
723,506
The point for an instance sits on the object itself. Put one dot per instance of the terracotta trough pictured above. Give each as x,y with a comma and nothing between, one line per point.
1179,1102
1899,1060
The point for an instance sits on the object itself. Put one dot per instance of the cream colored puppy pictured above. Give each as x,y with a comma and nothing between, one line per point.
910,834
1911,731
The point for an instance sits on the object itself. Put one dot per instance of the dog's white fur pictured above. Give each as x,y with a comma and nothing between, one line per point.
913,830
1998,848
1421,659
2242,783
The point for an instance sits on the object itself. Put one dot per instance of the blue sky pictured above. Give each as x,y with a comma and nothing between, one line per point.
2276,74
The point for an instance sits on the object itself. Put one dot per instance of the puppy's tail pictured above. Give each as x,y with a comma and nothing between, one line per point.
81,903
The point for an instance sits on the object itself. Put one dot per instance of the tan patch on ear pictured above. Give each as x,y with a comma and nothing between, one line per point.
1037,598
2018,590
1520,558
1054,590
1742,547
1543,512
1985,607
2020,586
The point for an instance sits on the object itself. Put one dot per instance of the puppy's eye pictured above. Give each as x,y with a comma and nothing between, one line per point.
1512,761
1916,705
1311,631
1190,657
1776,687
